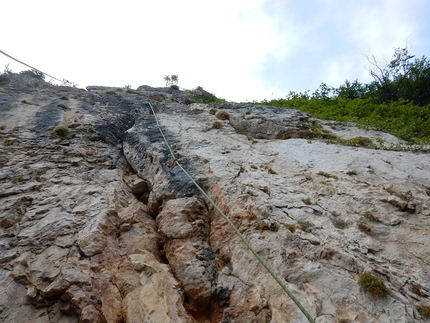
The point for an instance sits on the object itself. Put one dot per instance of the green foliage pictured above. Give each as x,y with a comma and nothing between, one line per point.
266,225
222,115
403,78
203,96
18,180
306,200
61,131
291,227
5,76
189,100
354,90
397,102
405,120
373,285
34,73
217,124
171,79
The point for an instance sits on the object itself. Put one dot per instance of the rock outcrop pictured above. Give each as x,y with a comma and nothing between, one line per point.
99,225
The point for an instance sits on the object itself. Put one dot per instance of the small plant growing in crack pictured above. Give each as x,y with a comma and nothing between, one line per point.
266,225
61,131
327,175
306,225
363,227
339,223
423,309
290,227
63,106
217,124
416,289
373,285
368,215
268,316
222,115
271,171
306,200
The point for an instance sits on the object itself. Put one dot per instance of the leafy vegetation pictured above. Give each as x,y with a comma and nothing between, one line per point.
373,285
5,76
290,227
203,96
171,79
61,131
34,73
397,101
222,115
216,124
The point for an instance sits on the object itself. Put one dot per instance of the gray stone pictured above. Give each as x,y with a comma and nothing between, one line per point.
103,226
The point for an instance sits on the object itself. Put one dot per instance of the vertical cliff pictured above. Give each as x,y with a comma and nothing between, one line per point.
98,224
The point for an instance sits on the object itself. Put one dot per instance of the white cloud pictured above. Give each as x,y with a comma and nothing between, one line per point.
238,49
327,41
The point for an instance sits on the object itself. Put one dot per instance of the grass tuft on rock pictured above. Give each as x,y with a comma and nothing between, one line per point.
424,310
61,131
222,115
373,285
216,124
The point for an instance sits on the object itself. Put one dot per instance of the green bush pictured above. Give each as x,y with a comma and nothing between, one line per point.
216,125
373,285
4,78
397,101
34,73
222,115
203,96
61,131
405,120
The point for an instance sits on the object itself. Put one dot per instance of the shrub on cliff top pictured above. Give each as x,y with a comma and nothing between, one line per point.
4,79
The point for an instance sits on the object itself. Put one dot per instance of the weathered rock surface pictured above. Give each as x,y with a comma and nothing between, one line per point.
101,226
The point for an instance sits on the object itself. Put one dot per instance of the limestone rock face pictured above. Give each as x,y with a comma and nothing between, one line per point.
102,226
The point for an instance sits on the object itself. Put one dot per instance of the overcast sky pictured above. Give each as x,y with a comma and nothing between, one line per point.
239,50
